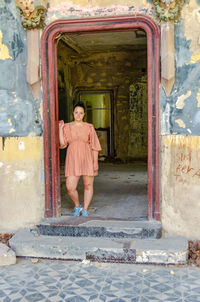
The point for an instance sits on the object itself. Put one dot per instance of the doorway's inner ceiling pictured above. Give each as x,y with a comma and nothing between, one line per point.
106,41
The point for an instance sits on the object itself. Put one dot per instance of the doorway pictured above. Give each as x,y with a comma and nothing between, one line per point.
99,112
125,25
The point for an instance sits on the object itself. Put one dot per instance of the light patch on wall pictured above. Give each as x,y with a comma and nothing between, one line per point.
4,51
21,146
11,130
1,164
180,123
198,98
33,149
32,134
21,175
181,99
195,58
9,121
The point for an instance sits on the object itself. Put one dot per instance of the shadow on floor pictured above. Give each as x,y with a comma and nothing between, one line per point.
120,191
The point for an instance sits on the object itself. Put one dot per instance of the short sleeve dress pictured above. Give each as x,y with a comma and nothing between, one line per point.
81,143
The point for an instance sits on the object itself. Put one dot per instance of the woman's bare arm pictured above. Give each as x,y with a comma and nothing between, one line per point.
95,160
61,135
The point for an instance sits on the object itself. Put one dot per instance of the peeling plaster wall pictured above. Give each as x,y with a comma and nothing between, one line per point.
22,182
19,112
59,9
21,127
181,111
180,187
180,131
20,117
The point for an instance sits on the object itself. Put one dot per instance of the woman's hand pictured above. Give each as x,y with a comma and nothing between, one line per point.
96,166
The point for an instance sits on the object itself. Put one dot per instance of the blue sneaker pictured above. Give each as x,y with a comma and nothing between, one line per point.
77,211
84,213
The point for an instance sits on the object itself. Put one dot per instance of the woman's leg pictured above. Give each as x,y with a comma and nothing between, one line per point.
71,185
88,190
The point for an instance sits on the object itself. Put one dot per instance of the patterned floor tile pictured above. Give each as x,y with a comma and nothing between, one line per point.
56,281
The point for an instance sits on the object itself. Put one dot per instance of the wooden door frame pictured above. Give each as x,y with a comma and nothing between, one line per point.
50,100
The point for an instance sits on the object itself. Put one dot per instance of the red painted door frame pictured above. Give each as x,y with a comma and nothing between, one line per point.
50,100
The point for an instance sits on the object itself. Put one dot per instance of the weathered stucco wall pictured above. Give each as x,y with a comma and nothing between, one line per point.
59,9
21,143
21,170
181,185
180,131
22,182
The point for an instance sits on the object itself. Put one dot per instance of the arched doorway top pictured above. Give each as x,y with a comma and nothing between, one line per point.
102,23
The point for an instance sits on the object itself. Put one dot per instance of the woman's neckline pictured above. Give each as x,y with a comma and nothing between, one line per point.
77,124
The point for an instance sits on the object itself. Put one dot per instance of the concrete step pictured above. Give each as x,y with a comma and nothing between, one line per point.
123,250
94,227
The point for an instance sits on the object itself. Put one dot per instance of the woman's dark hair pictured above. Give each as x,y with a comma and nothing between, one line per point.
79,104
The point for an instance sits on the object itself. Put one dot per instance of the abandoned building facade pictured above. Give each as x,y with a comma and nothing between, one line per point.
136,66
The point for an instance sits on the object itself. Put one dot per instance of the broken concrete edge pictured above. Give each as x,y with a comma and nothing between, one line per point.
91,261
26,244
99,222
7,255
70,226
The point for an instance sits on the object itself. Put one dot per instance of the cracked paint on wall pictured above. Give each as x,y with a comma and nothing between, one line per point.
68,9
191,13
19,112
180,111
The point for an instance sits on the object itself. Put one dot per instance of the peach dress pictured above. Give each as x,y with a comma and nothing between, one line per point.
81,143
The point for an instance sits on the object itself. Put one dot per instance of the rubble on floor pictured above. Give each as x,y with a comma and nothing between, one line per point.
194,252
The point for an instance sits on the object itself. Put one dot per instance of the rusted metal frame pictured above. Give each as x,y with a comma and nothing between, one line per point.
129,26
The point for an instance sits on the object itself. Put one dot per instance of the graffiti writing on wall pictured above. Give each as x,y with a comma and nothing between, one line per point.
185,169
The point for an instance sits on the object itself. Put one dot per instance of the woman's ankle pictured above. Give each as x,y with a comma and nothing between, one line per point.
77,204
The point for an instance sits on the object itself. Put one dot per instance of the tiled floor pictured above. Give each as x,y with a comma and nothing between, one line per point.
75,282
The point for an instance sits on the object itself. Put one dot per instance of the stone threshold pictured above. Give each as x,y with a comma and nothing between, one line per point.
173,250
99,227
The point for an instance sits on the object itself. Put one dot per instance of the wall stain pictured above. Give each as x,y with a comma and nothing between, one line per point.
3,142
17,45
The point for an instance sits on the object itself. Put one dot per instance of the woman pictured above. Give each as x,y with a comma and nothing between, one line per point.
82,157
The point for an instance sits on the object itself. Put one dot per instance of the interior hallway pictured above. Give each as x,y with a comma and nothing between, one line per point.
120,191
